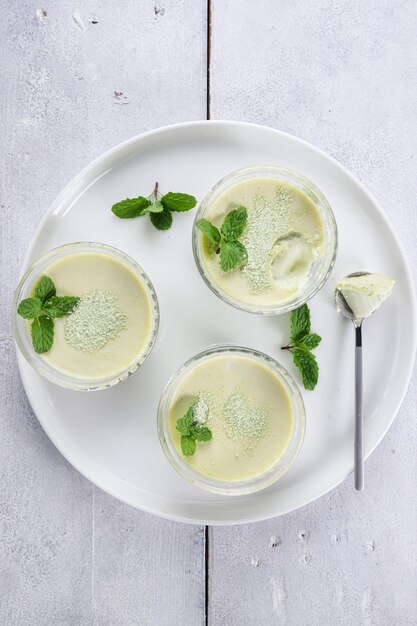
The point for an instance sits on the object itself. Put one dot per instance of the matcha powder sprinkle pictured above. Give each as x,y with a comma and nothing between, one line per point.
244,422
96,320
201,409
267,220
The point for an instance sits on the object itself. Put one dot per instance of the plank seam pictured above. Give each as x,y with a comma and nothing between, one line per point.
208,113
208,55
206,574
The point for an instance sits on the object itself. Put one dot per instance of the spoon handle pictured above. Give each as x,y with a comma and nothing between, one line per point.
359,468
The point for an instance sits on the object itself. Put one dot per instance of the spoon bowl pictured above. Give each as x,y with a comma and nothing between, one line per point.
341,304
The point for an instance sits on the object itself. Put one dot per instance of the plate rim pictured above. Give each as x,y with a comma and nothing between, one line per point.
111,152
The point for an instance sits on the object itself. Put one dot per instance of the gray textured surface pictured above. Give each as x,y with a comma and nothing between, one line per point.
69,553
339,74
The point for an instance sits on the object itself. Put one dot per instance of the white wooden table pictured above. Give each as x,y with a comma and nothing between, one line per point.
79,77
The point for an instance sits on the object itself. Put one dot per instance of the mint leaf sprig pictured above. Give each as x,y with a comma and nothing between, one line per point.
302,342
159,207
191,431
225,241
42,308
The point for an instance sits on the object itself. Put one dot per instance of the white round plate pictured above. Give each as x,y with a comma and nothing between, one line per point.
111,436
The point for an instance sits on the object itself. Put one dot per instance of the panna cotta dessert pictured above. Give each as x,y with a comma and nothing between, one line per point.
265,239
231,420
365,292
94,318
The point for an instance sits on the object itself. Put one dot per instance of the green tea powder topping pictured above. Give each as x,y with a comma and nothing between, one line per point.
96,320
267,221
201,408
244,422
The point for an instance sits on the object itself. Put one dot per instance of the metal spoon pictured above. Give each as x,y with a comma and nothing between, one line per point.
345,309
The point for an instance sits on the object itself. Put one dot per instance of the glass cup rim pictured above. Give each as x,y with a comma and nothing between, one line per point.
47,371
227,181
262,481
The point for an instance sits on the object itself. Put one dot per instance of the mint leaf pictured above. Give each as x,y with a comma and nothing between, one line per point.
155,207
310,341
45,289
29,308
178,201
234,224
191,431
42,308
158,207
307,364
201,433
302,342
210,231
42,334
161,221
232,254
131,207
188,445
300,322
59,306
184,424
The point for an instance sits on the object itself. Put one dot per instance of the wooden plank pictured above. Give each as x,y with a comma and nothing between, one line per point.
76,80
338,75
146,570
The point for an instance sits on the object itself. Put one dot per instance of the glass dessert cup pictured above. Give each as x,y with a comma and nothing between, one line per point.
21,326
322,265
259,481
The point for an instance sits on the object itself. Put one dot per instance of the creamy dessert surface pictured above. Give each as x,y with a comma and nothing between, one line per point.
283,237
112,324
246,407
365,294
